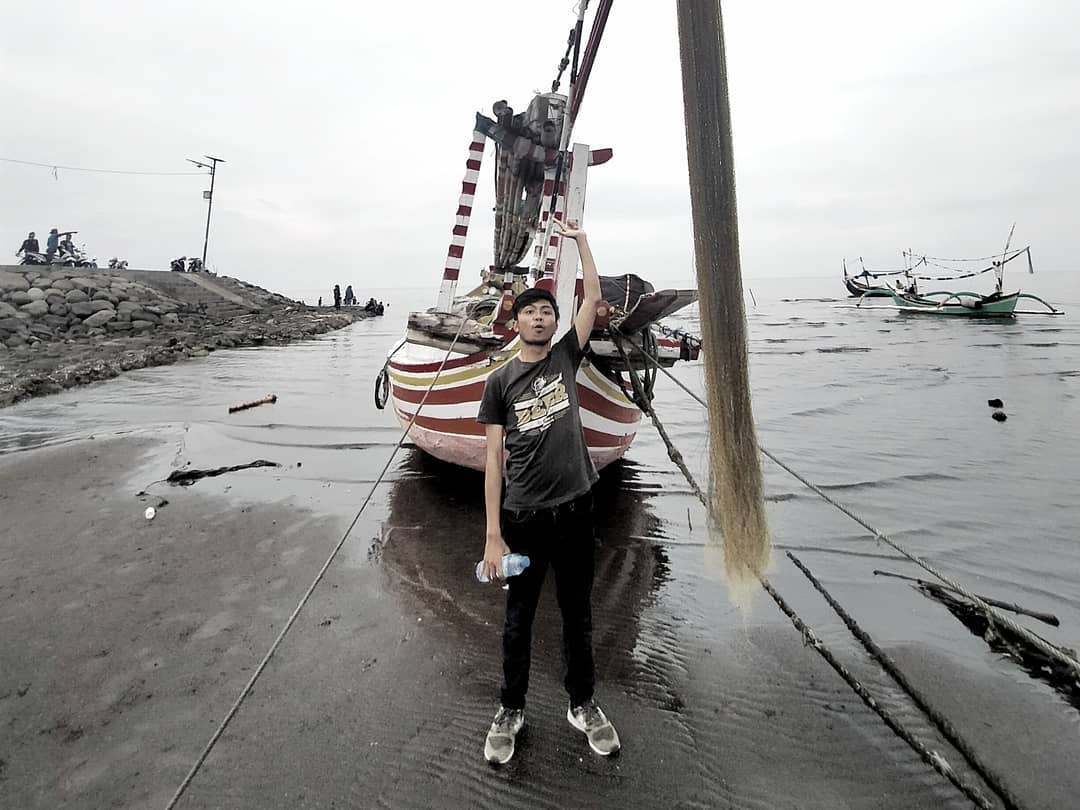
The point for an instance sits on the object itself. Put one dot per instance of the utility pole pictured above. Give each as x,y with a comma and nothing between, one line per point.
212,166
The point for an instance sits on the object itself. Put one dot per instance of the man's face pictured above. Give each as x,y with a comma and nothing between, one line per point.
536,323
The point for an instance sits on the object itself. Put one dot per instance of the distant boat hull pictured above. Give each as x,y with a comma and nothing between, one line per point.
961,304
858,288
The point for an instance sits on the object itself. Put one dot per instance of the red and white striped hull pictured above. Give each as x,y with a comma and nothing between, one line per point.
447,428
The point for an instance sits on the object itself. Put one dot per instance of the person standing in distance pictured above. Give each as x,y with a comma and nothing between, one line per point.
530,405
29,245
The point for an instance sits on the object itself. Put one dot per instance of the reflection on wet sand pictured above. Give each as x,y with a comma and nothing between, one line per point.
435,534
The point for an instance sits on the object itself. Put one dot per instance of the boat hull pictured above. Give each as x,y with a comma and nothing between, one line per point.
446,425
858,288
970,305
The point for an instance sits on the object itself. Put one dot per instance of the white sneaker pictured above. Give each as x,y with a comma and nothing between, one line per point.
499,746
591,720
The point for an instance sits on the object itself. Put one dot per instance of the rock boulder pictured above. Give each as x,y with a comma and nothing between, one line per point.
100,318
13,281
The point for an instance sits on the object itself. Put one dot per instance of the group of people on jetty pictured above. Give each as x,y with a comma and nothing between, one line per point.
54,245
193,265
372,306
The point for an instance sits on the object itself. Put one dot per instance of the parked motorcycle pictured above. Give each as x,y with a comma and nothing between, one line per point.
195,265
117,264
34,258
178,265
73,257
64,258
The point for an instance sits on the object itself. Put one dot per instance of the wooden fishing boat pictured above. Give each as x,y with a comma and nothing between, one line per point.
906,296
435,376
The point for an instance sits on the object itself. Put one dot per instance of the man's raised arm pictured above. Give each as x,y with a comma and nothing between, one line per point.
586,315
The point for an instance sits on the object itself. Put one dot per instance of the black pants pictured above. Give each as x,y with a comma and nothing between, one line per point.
560,537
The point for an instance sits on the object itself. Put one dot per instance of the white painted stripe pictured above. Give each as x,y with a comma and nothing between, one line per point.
596,422
464,410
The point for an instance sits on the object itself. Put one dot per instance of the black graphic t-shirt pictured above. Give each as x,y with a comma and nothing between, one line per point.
547,460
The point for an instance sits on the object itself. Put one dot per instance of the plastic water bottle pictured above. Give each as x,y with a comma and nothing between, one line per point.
512,565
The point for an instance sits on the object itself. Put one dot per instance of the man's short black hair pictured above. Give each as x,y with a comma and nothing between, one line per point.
531,296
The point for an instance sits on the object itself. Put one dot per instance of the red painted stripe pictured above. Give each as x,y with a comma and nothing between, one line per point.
477,146
598,157
594,438
472,164
602,406
456,251
464,210
468,188
461,230
450,274
473,392
459,427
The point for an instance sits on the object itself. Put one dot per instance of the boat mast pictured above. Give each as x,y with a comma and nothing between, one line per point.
573,192
454,253
566,274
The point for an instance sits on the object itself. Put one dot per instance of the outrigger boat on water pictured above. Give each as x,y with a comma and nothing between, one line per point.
904,291
435,375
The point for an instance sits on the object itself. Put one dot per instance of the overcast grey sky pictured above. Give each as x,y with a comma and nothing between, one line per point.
861,128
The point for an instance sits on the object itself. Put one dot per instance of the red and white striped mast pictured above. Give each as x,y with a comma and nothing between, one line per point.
452,268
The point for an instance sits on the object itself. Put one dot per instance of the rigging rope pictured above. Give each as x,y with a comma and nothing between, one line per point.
932,758
565,61
311,588
995,257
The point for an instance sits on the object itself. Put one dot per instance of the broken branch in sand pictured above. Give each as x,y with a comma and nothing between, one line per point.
269,399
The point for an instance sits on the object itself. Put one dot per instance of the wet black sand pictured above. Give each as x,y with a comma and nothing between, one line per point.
123,643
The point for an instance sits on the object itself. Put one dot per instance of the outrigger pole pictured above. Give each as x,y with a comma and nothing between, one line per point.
736,502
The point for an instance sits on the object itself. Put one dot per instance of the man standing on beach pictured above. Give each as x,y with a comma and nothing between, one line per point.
531,404
337,296
52,244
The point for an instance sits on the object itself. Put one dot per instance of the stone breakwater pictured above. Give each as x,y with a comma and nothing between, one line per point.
65,327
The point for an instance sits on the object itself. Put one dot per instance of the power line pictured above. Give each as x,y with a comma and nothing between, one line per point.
55,166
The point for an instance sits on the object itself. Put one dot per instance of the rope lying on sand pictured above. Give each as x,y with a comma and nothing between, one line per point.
942,723
311,589
930,757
